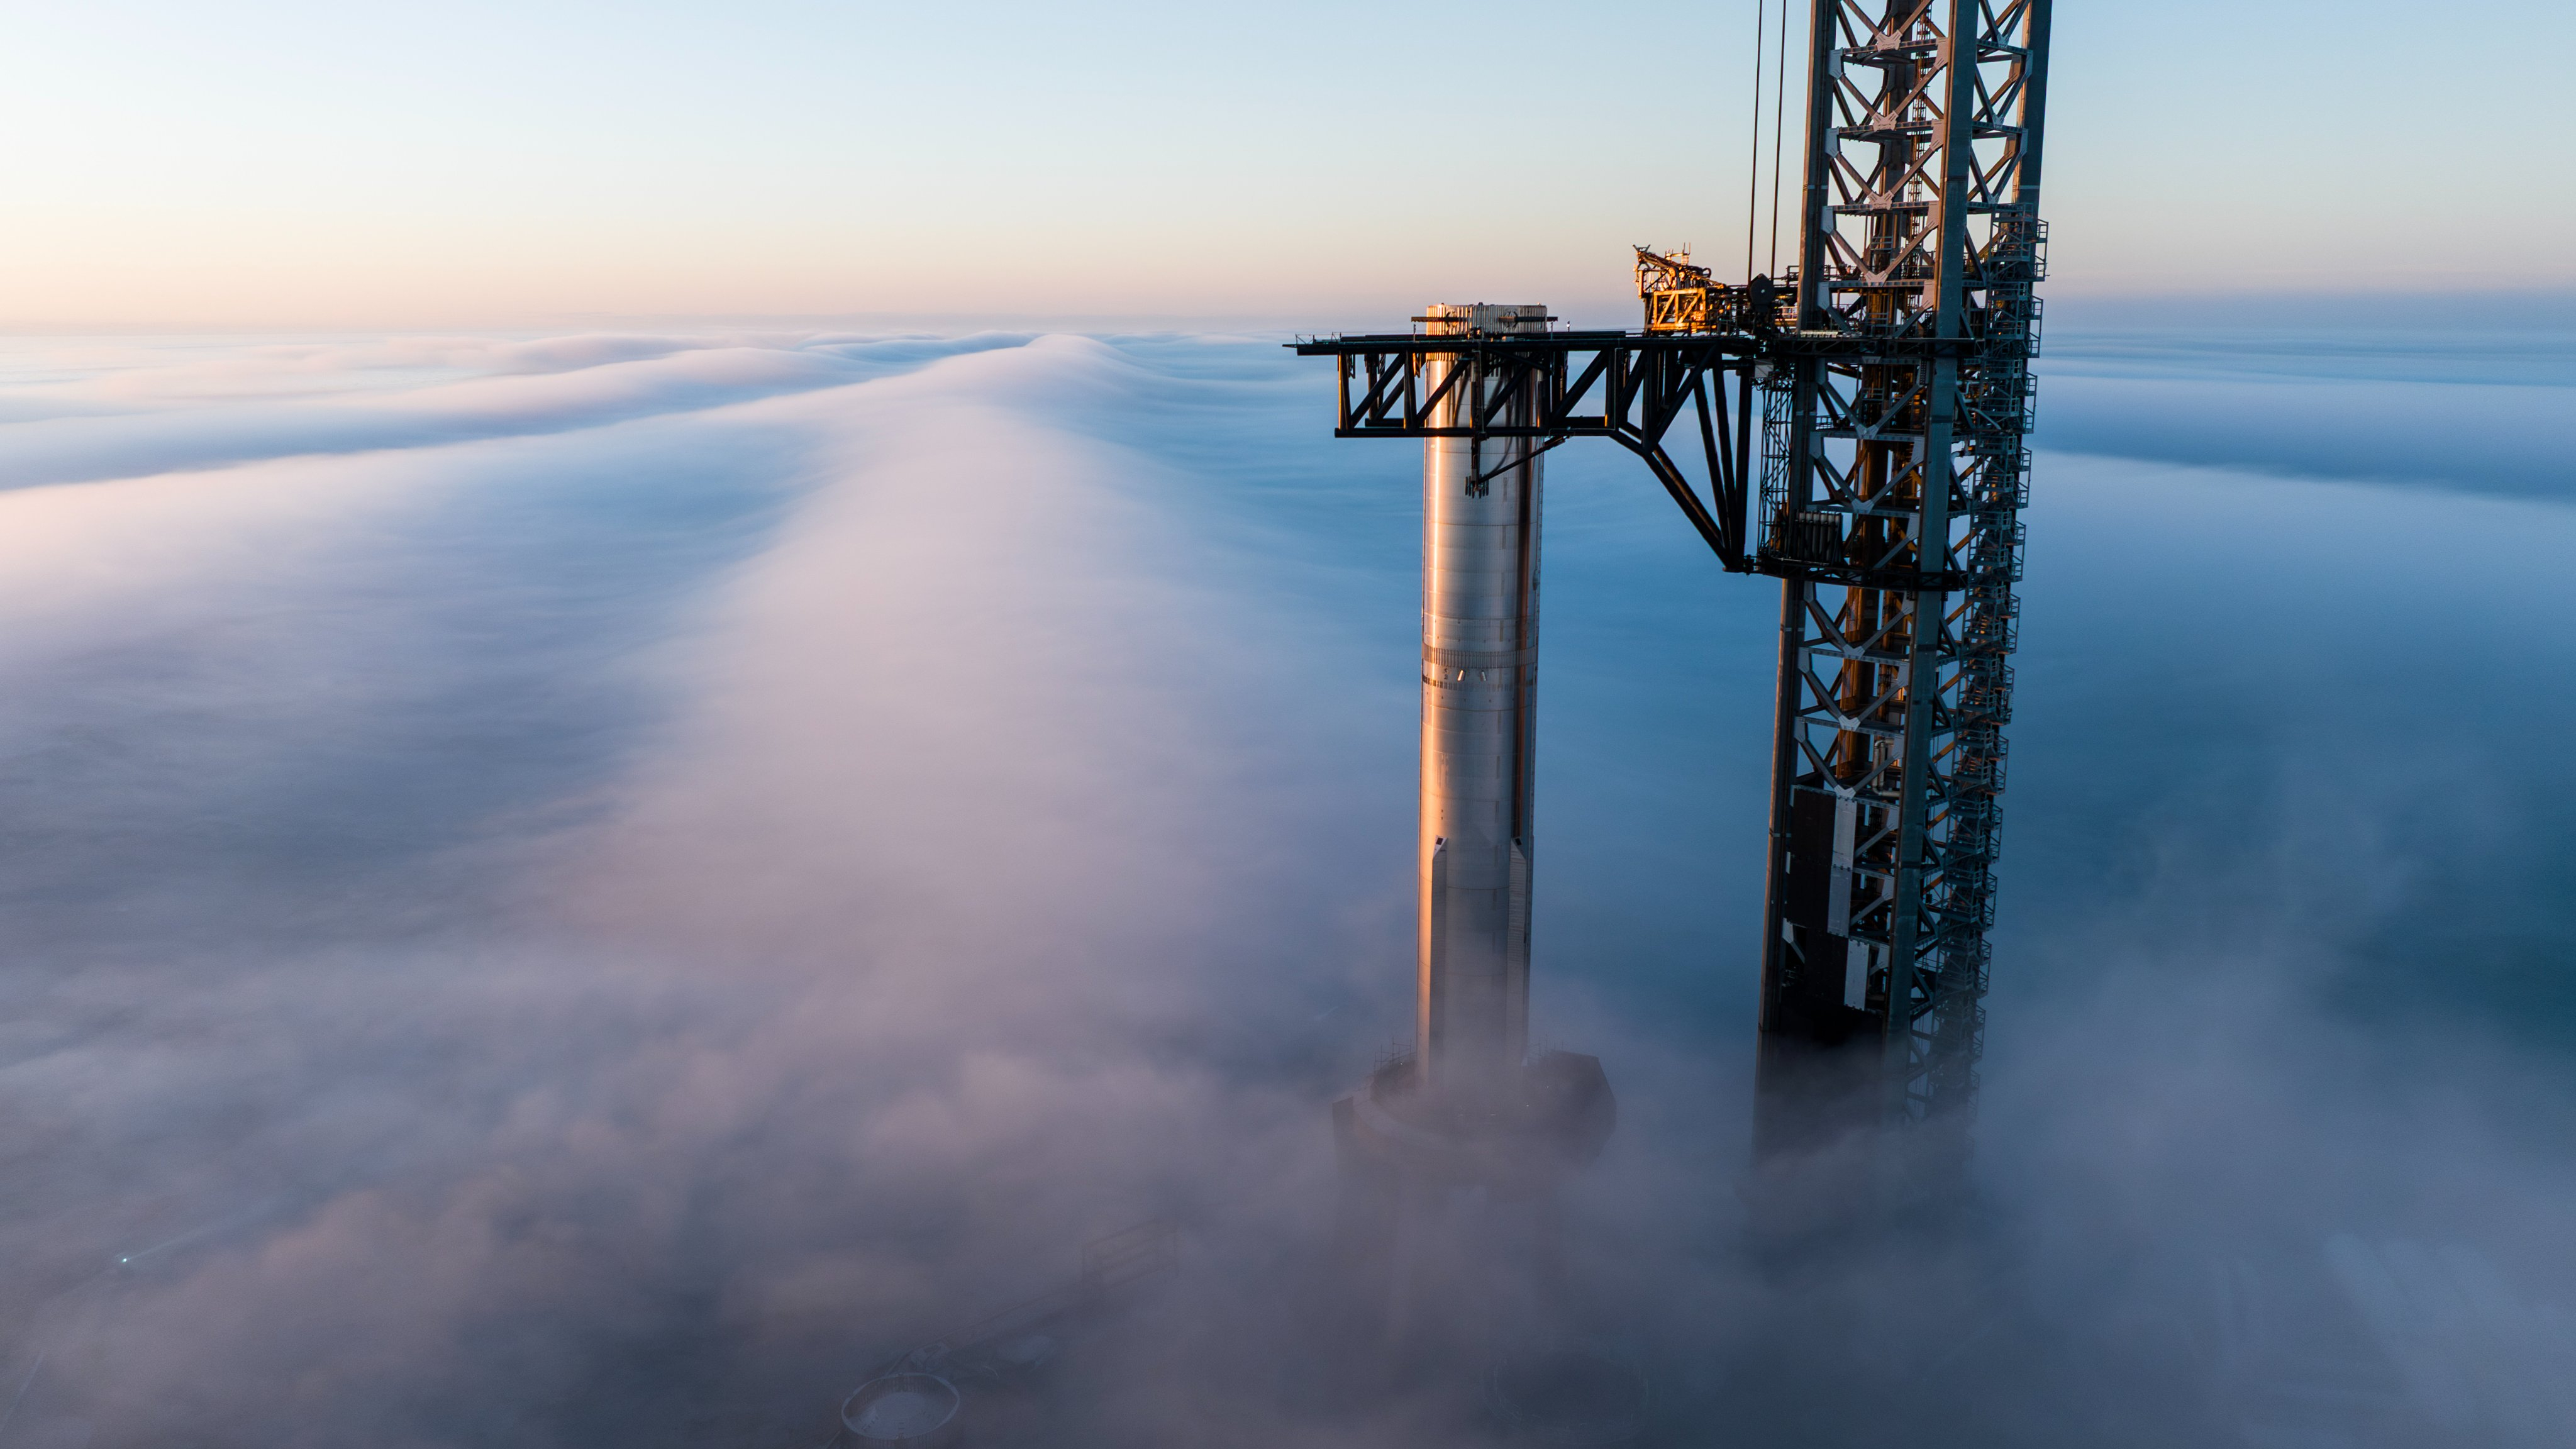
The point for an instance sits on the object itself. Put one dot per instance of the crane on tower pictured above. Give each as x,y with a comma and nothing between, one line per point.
1885,381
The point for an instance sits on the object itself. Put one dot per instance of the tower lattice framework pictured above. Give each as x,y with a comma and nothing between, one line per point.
1893,474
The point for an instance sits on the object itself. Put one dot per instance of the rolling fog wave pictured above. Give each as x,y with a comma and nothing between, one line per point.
277,401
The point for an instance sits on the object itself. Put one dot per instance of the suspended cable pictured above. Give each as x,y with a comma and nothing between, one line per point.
1753,167
1779,130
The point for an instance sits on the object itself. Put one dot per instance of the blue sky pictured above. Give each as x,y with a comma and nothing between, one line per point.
302,164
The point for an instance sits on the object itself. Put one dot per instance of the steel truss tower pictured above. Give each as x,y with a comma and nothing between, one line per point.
1894,387
1892,482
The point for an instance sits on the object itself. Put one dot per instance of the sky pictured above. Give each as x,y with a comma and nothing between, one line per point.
292,165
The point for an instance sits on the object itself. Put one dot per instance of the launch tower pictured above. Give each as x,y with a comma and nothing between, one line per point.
1887,378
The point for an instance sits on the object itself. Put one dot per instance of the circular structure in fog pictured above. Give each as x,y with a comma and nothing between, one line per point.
1569,1397
902,1411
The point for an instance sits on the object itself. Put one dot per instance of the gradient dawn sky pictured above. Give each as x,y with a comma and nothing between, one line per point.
181,163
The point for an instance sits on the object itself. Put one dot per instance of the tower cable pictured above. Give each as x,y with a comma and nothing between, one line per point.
1779,130
1753,167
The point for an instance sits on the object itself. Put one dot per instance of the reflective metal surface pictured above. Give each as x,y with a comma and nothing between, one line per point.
1480,571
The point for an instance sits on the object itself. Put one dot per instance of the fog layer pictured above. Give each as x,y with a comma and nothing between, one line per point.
599,887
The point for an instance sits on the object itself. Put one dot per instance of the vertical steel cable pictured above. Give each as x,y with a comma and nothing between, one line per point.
1753,167
1779,130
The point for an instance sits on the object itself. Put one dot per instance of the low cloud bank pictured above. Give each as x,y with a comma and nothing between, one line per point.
278,401
2482,437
